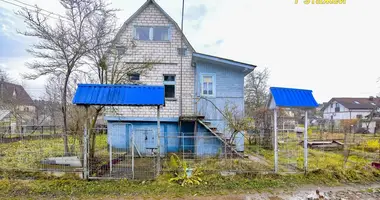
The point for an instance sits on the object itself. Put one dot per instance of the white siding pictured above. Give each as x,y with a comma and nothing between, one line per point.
344,113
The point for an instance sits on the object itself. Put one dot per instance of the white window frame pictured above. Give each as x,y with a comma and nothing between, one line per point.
151,33
213,76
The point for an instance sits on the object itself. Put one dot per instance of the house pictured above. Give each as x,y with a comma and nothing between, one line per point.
197,89
15,104
338,109
349,108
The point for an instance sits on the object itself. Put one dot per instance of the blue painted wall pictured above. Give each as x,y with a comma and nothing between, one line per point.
145,136
208,145
229,91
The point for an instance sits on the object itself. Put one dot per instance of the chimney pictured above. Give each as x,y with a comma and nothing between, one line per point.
371,98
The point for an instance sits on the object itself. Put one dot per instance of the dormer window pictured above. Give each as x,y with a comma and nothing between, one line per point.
356,102
148,33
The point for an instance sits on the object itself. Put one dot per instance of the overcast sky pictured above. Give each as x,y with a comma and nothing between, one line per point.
330,49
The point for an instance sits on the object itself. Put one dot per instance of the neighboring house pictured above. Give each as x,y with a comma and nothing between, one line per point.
17,108
197,86
350,108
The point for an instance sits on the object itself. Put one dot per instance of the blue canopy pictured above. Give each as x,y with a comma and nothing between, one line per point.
292,98
119,95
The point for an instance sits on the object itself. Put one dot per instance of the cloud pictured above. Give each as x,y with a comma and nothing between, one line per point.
195,14
215,44
12,43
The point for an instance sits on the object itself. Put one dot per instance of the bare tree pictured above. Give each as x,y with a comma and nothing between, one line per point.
256,91
4,76
62,45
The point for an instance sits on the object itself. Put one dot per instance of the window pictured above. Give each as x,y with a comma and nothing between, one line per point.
134,77
331,105
208,85
169,83
373,104
337,109
356,102
359,116
182,51
142,33
159,33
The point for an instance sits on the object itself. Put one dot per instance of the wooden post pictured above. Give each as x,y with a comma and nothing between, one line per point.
158,142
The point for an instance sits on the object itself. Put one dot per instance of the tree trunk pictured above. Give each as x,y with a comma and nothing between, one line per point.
64,112
93,133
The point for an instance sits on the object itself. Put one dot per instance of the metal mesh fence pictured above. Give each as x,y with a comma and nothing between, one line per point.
121,151
42,153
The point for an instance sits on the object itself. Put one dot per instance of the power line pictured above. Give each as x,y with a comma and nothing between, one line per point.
39,8
46,15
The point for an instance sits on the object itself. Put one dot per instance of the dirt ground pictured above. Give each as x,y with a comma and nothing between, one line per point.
347,192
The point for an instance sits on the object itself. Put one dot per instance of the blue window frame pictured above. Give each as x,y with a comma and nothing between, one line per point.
208,85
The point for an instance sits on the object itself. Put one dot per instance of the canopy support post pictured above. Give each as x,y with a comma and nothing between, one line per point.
275,141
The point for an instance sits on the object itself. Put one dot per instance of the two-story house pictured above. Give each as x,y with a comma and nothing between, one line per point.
197,88
350,108
16,106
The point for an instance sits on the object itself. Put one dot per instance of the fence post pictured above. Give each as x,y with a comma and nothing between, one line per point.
158,142
85,148
275,141
305,144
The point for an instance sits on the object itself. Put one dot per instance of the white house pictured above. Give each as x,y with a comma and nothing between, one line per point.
351,108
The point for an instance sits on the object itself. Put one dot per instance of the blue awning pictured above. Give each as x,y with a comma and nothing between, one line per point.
119,95
292,98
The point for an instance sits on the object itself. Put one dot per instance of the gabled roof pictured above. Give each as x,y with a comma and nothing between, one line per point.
119,95
356,103
142,8
15,94
200,56
291,98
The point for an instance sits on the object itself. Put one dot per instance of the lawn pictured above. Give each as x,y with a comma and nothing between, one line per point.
27,154
325,167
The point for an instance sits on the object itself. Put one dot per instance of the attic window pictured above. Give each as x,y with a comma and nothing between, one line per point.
373,104
356,102
148,33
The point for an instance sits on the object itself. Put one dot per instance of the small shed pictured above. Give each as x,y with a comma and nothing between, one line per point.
121,95
290,98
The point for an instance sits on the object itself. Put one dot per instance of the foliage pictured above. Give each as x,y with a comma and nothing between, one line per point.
347,124
182,175
372,145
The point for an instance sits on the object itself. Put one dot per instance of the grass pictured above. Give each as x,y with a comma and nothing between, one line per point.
27,154
324,168
213,184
